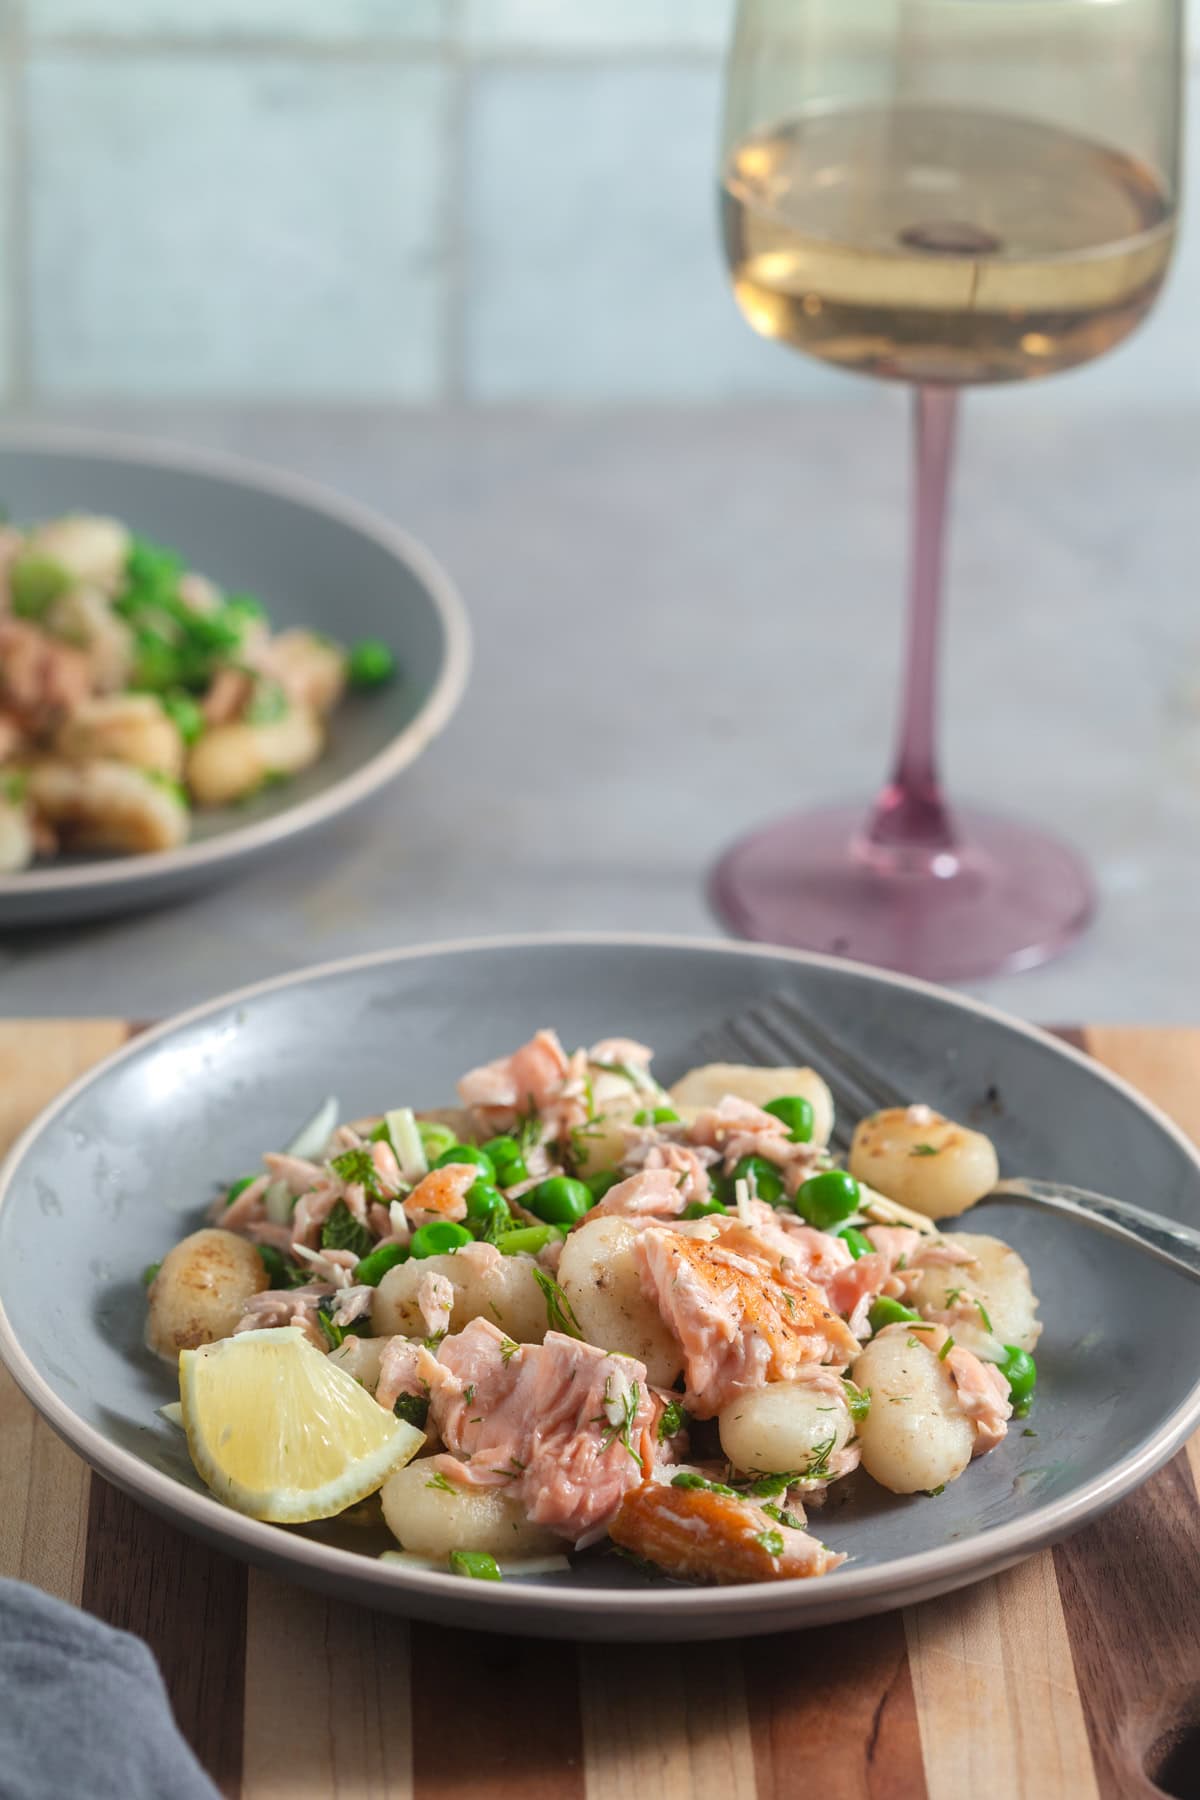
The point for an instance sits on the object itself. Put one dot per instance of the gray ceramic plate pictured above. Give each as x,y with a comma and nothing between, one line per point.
121,1165
315,559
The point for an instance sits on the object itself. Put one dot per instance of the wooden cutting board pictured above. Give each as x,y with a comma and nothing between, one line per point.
1059,1680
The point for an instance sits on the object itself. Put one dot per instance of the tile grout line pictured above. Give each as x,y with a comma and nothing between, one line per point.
17,275
454,164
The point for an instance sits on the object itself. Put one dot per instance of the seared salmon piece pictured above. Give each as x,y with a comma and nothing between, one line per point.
697,1535
739,1321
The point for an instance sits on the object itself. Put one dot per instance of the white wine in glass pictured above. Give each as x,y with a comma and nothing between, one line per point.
940,192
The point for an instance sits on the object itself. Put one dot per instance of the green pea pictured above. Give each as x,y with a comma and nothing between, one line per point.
370,663
434,1138
35,583
475,1563
766,1183
436,1239
485,1203
796,1113
856,1242
372,1269
468,1153
1020,1372
890,1312
658,1115
239,1187
826,1199
599,1183
700,1209
184,714
560,1200
508,1160
528,1240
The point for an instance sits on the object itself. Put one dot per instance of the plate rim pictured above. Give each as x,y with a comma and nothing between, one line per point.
434,714
776,1605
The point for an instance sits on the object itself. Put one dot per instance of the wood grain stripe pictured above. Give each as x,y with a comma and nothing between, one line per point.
665,1722
1139,1674
997,1701
839,1702
520,1736
189,1604
43,1485
328,1703
1137,1657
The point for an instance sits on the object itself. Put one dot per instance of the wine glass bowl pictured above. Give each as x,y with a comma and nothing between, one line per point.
941,192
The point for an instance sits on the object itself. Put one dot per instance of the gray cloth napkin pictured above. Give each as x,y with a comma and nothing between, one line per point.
84,1714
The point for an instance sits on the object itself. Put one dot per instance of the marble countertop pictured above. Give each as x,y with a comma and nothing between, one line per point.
689,621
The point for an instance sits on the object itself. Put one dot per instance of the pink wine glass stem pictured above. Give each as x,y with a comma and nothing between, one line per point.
910,814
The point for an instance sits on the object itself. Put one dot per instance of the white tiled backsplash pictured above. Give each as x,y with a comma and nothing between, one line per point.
403,201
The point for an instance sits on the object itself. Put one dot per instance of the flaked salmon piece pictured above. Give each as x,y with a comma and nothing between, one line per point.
696,1535
739,1321
435,1302
981,1390
271,1310
653,1192
730,1118
42,680
442,1194
778,1239
562,1426
311,1211
648,1149
387,1169
296,1171
527,1081
241,1211
854,1290
983,1394
405,1367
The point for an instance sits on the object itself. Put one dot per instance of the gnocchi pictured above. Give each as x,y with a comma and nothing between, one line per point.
784,1426
432,1517
503,1291
200,1291
996,1279
915,1437
600,1277
924,1161
710,1085
231,761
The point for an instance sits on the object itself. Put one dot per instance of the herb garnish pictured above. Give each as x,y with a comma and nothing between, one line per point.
674,1419
508,1349
945,1350
620,1429
357,1167
440,1482
923,1150
342,1231
857,1399
559,1311
771,1542
413,1409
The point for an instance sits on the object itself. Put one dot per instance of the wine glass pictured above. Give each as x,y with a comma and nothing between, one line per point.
940,192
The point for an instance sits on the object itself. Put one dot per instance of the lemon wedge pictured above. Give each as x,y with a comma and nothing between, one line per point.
279,1432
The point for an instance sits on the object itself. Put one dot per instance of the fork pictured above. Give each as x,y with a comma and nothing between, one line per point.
779,1029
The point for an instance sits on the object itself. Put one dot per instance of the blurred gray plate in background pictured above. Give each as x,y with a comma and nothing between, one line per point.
314,559
121,1166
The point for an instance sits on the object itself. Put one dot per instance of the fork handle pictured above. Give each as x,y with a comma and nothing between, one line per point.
1165,1239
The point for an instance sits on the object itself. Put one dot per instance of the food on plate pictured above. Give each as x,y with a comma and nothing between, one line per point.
133,690
582,1310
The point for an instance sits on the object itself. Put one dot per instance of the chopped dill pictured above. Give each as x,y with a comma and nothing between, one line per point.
508,1349
621,1429
945,1350
559,1312
923,1150
771,1542
440,1482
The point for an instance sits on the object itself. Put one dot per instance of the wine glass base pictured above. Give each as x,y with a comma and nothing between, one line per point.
1006,897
